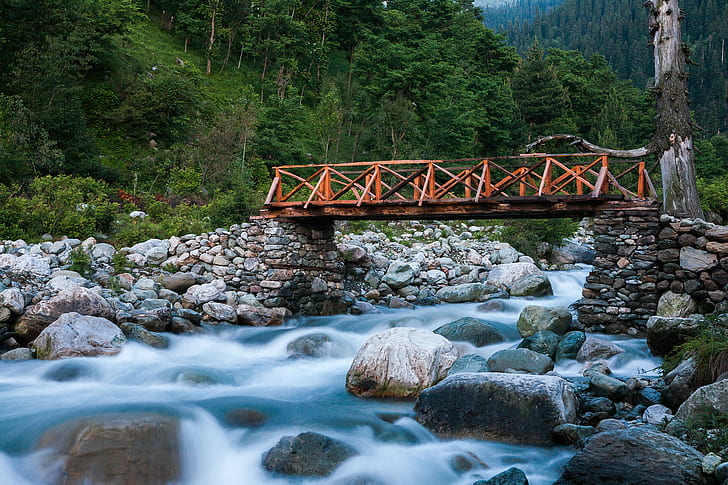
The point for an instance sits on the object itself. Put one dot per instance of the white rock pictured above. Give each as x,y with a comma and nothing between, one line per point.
657,415
12,298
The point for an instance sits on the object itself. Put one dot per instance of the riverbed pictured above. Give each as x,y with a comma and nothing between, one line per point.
202,379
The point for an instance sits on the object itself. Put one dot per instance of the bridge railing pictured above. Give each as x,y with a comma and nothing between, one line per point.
420,181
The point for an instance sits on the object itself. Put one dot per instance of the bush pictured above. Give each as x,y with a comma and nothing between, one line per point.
526,234
714,195
60,205
710,349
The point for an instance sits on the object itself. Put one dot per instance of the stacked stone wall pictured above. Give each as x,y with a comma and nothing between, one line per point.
644,259
282,264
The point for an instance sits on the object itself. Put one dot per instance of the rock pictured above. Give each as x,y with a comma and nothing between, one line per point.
509,273
18,354
61,283
154,320
569,345
307,454
177,282
666,333
468,292
312,345
220,312
701,408
672,304
467,329
32,264
515,408
469,363
600,405
697,260
721,472
400,362
609,387
114,449
103,250
505,254
512,476
75,335
399,274
13,299
681,382
544,342
73,300
532,285
261,316
363,308
534,318
520,361
610,424
648,396
201,294
595,348
571,253
657,415
634,457
572,434
352,253
134,331
710,463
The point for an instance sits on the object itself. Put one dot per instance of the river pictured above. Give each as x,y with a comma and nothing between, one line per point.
202,378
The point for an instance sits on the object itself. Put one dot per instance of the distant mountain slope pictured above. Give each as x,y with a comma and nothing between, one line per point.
617,29
500,14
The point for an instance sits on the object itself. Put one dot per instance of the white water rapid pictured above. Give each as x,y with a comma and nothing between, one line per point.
201,379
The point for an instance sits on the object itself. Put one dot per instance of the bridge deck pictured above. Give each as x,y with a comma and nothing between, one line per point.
541,186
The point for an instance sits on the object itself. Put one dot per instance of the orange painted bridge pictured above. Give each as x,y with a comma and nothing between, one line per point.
525,186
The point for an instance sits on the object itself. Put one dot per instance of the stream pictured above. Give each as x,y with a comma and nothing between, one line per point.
201,379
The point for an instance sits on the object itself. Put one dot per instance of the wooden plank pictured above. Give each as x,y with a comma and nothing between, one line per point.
273,190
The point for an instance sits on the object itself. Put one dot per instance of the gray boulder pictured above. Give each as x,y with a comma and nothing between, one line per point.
467,329
607,386
177,282
681,382
32,264
570,344
13,300
312,345
352,253
515,408
532,285
534,318
509,273
679,305
572,434
701,408
73,300
469,363
399,274
134,331
666,333
544,342
103,250
657,415
697,260
400,362
634,457
512,476
220,312
22,353
258,316
307,454
201,294
520,361
595,348
75,335
468,292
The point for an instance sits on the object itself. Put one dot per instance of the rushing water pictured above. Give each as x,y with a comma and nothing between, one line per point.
202,378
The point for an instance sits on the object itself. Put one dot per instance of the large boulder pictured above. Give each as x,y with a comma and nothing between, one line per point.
352,253
520,361
532,285
32,264
509,273
74,335
467,329
468,292
469,363
134,331
516,408
634,457
701,408
697,260
595,348
400,362
544,342
201,294
258,316
400,274
681,382
114,449
570,344
534,318
679,305
307,454
12,299
72,300
666,333
178,282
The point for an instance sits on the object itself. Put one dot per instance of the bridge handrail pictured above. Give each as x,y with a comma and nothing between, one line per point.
545,175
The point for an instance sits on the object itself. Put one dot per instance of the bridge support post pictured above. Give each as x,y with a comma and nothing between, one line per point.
621,292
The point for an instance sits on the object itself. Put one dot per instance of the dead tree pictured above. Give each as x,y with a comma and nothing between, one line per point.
672,143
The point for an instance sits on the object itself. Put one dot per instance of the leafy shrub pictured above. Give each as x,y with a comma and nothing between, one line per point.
710,349
526,234
80,261
714,195
60,205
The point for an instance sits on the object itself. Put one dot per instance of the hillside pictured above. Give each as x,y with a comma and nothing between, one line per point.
501,14
617,30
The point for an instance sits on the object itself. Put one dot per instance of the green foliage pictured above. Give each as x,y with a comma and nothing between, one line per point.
60,205
714,194
120,265
710,349
80,261
526,234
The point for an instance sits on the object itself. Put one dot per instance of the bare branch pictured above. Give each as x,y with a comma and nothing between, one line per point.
586,146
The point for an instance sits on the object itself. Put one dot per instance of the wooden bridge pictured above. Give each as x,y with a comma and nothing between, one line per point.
525,186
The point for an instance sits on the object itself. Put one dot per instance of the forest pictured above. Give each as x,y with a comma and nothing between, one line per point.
181,107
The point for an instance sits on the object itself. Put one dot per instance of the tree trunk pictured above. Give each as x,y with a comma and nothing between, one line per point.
208,71
673,140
